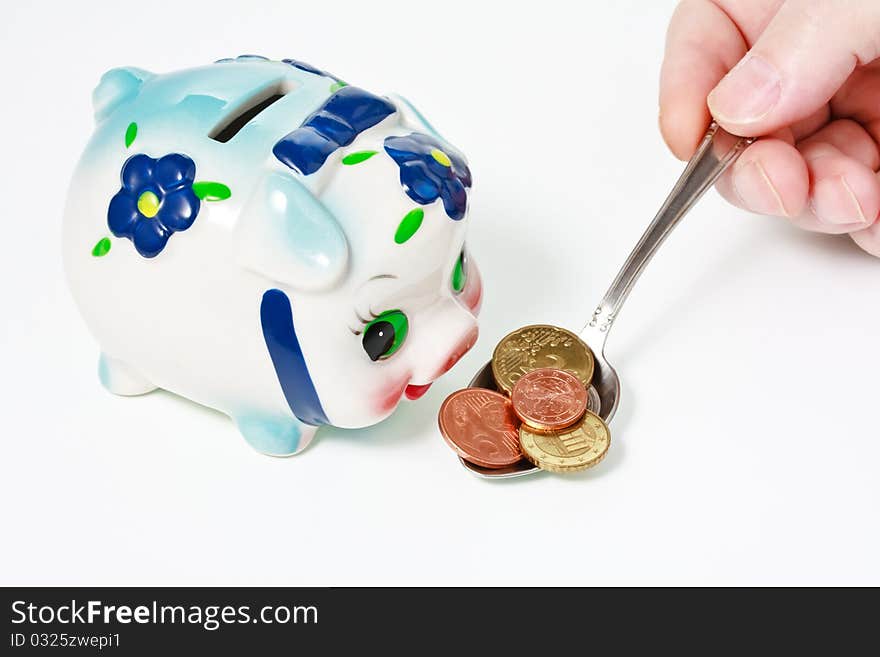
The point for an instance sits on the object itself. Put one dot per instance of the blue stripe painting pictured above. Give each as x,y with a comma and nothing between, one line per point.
279,333
337,123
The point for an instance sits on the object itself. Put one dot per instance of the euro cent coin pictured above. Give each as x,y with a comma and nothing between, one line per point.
541,345
576,448
481,427
548,399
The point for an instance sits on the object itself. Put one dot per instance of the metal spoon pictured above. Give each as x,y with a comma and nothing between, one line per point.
718,150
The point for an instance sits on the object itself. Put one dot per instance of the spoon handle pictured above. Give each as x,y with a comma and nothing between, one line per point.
718,150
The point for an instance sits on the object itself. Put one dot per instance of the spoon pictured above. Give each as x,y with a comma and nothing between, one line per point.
718,150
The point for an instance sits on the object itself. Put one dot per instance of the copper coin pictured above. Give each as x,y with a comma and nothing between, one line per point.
481,427
548,399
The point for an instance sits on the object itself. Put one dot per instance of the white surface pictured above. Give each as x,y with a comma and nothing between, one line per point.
746,447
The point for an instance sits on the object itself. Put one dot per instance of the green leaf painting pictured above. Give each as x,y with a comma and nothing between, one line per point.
211,191
409,225
102,247
131,133
357,158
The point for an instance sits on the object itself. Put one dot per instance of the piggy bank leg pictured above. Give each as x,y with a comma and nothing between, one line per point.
120,378
275,435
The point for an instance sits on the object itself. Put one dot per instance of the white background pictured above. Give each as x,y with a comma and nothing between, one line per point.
746,447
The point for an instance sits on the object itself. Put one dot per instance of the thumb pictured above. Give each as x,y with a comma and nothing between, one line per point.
802,58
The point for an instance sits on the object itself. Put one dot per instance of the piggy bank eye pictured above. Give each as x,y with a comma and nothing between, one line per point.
385,334
459,273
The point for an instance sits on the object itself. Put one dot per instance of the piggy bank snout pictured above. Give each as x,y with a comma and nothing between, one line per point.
464,346
445,344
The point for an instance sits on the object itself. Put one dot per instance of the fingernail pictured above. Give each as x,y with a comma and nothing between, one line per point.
747,93
756,190
835,204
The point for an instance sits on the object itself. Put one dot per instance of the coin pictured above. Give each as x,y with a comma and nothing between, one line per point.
548,399
576,448
481,427
533,347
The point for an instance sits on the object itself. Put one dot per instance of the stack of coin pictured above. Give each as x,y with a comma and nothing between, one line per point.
543,409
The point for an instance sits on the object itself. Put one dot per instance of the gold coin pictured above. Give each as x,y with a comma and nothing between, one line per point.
541,345
576,448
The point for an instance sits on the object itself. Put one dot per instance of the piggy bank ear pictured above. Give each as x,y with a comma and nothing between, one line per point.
287,234
116,86
411,116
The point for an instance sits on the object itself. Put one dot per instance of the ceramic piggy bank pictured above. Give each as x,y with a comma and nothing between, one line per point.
263,239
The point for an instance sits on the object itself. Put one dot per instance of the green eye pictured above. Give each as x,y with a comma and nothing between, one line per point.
385,334
459,273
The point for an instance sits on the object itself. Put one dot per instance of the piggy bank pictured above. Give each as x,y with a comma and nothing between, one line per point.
266,240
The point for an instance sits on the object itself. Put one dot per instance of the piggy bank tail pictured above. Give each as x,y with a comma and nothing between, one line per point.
117,86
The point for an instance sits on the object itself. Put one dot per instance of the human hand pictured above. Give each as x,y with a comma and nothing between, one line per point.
804,75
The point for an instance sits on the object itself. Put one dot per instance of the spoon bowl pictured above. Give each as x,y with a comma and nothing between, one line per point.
604,397
718,150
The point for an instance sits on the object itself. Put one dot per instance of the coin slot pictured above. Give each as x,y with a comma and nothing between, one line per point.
232,125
